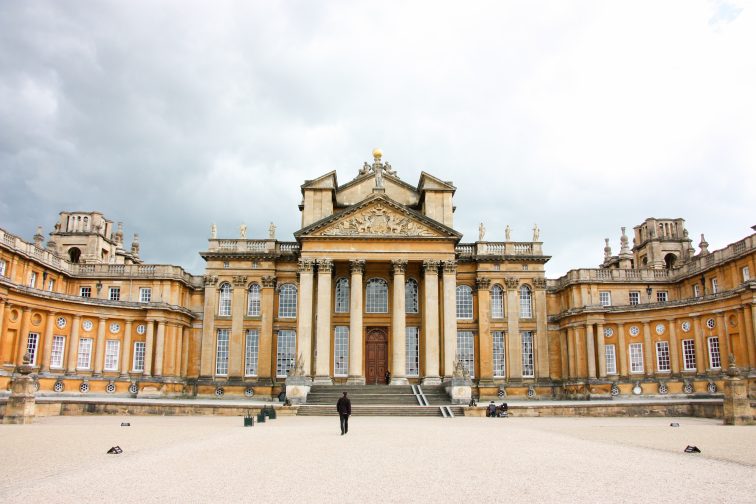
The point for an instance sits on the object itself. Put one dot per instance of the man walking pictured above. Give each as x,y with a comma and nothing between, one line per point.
344,407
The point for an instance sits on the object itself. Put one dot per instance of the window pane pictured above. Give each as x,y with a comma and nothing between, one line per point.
715,360
636,357
85,353
287,301
221,352
56,354
464,302
526,305
139,356
251,352
466,351
497,302
31,346
611,359
342,296
112,348
689,354
662,356
377,296
413,351
224,301
285,352
411,301
499,360
528,367
253,300
340,351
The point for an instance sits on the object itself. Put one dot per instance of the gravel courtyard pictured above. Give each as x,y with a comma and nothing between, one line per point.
304,459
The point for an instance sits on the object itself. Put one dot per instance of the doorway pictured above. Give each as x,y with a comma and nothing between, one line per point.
376,355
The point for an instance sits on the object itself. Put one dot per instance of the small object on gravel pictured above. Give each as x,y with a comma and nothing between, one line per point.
692,449
125,424
115,450
674,424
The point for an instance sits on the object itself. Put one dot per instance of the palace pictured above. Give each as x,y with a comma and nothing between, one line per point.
376,280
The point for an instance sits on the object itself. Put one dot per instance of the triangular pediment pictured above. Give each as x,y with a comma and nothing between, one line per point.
378,216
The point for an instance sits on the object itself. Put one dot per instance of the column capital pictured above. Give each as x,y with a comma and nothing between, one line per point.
431,265
482,283
539,282
239,281
305,264
268,282
357,266
512,282
210,280
450,266
399,266
325,265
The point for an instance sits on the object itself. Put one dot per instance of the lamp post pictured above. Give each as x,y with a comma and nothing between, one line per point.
649,290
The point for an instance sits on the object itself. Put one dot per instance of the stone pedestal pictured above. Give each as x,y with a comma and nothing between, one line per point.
737,407
20,406
297,388
460,391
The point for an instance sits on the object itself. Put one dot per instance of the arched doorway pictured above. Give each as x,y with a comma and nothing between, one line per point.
670,260
376,355
74,254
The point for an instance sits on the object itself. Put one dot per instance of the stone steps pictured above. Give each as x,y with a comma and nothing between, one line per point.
375,410
375,395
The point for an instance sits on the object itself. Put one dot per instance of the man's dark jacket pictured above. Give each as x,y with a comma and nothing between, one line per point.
344,406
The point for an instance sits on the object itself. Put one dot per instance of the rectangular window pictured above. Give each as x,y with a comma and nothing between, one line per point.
251,352
51,285
662,356
526,307
497,302
287,345
661,296
32,344
634,297
56,354
499,360
221,352
413,351
85,292
3,265
714,286
715,360
340,351
138,364
696,290
636,357
84,359
611,359
33,279
112,349
466,351
528,366
145,294
689,355
114,293
746,273
605,298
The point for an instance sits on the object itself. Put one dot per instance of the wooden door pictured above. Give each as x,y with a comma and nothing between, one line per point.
376,355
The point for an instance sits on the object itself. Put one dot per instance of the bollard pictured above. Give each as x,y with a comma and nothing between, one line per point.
272,415
249,420
261,417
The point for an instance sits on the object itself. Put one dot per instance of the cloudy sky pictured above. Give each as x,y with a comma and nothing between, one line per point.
579,116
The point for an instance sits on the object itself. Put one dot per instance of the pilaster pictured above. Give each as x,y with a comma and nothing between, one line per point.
235,348
99,356
323,334
207,349
484,329
265,348
126,350
450,316
430,323
356,374
304,317
513,328
159,348
590,351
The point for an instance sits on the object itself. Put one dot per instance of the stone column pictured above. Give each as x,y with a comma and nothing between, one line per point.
749,323
44,357
513,328
126,350
648,353
265,349
563,346
725,348
73,345
323,329
590,351
179,335
238,309
450,317
149,344
23,337
398,332
601,351
570,335
701,361
159,348
99,359
207,348
674,352
304,318
356,376
579,352
430,323
3,341
622,349
185,347
541,336
485,357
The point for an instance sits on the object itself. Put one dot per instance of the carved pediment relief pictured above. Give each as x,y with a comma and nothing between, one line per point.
378,220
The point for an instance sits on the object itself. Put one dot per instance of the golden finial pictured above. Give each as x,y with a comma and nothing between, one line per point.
377,154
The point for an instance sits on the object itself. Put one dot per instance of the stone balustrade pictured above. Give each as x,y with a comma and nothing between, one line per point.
245,246
509,248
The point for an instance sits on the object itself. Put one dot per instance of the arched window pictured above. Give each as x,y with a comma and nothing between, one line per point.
342,296
497,302
253,300
224,302
526,303
287,301
464,302
376,295
410,296
74,253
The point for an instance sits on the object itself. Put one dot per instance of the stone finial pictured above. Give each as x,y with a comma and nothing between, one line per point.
38,238
624,248
135,245
703,245
119,234
732,369
607,250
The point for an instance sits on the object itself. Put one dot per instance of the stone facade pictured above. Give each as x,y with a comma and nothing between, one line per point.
376,280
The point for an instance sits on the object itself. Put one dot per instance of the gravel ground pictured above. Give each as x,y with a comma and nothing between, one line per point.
304,459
